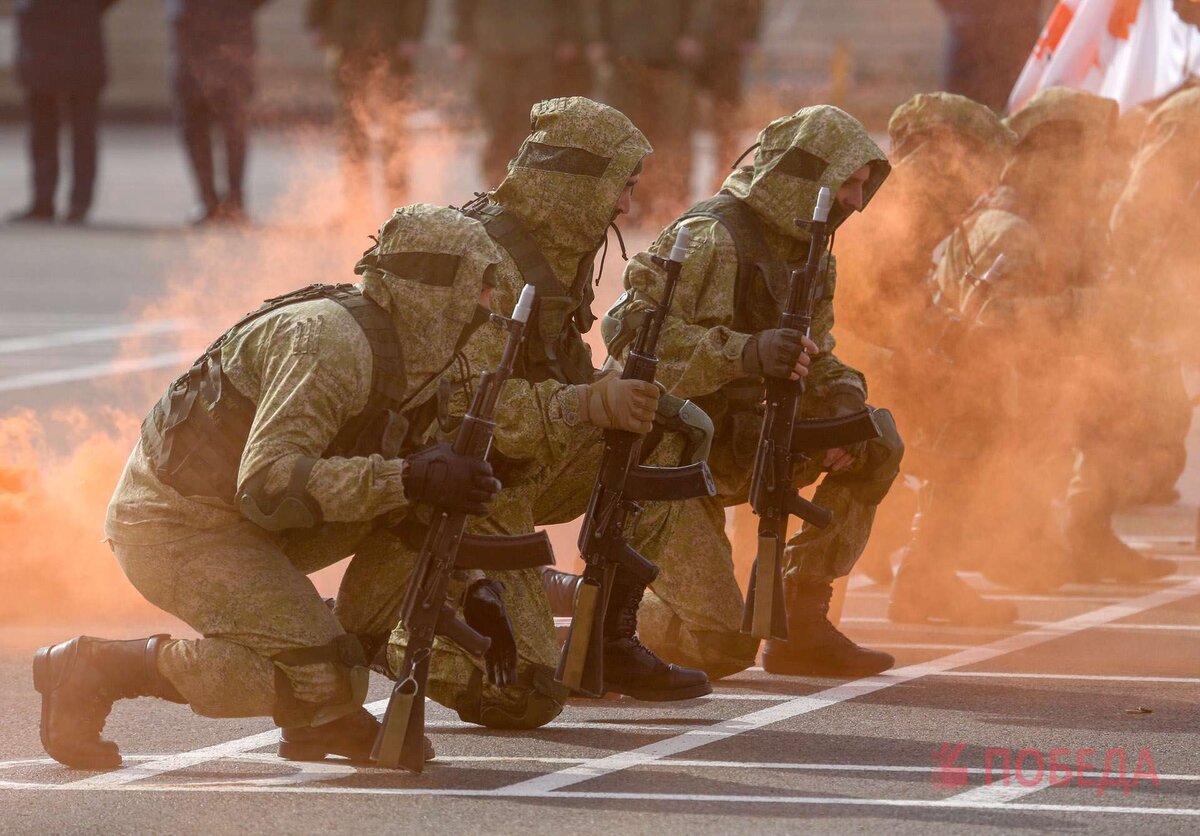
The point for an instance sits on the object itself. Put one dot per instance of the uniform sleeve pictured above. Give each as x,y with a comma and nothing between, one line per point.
698,351
827,374
316,376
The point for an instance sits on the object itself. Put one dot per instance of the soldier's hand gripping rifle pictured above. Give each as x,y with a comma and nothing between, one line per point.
425,611
784,442
621,484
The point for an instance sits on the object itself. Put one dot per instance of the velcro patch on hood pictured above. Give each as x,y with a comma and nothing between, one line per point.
567,177
428,270
797,155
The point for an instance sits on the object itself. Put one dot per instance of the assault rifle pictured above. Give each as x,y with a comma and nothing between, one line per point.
786,441
425,612
620,485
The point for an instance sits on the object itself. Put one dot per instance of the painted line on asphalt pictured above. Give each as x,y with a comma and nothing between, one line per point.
688,741
684,798
1084,677
1187,628
35,380
665,763
99,334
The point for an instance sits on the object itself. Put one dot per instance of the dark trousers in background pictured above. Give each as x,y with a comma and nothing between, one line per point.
506,89
81,109
373,90
197,113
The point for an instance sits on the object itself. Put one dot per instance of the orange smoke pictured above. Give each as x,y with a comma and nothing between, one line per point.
51,512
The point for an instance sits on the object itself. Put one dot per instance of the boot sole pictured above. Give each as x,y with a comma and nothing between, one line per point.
793,669
672,695
43,684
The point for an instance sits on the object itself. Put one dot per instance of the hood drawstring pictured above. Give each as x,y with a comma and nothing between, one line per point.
604,253
743,156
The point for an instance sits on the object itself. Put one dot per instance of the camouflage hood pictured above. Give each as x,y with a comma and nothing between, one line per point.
427,271
565,181
797,155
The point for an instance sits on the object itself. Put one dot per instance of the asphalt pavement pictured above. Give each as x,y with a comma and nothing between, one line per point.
1094,684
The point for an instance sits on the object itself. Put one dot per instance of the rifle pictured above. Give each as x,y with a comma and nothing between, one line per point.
620,485
786,441
425,612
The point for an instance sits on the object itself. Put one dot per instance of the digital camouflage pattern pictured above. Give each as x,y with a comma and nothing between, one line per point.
693,614
927,114
549,458
307,369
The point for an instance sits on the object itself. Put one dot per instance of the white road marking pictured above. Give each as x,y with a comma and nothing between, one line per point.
579,773
665,763
92,371
684,798
1086,677
1189,628
82,336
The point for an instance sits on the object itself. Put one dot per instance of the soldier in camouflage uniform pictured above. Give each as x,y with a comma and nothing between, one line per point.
1151,279
719,341
290,437
946,151
572,177
1049,286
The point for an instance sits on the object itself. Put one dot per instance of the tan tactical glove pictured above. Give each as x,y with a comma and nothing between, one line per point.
612,403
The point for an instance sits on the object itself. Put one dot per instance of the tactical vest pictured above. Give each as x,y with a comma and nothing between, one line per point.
554,349
759,296
195,435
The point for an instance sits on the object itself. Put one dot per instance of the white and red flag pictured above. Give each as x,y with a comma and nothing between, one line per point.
1129,50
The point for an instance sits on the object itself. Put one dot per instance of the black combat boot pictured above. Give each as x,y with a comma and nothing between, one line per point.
1097,553
351,737
814,646
560,590
629,666
79,680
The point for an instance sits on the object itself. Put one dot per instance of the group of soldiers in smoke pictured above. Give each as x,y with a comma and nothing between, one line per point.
316,427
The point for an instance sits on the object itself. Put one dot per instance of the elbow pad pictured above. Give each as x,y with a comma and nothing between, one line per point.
295,508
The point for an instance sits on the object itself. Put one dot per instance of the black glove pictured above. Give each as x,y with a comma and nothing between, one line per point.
439,476
773,353
484,612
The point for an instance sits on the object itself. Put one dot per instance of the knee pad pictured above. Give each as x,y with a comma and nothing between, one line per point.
349,663
533,702
883,457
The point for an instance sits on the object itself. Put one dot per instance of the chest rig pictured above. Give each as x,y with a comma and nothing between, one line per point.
196,434
553,348
760,292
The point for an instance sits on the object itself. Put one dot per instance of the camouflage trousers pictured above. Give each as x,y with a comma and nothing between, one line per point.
534,494
270,646
692,615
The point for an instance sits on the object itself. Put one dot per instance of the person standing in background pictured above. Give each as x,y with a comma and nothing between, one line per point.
211,73
654,50
528,51
728,46
989,43
372,46
61,64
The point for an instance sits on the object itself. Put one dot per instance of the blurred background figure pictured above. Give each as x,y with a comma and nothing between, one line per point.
989,41
654,50
728,46
211,71
372,46
526,51
61,65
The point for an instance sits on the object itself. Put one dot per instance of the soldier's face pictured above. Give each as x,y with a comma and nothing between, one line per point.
625,201
851,196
